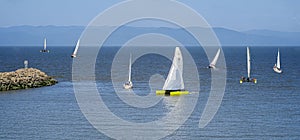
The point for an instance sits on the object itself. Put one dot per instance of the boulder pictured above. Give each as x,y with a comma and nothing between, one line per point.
25,78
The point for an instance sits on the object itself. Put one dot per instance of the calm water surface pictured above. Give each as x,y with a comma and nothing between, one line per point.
269,109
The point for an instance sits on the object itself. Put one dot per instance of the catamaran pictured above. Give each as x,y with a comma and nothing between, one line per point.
128,84
76,49
45,46
248,79
276,67
213,63
174,85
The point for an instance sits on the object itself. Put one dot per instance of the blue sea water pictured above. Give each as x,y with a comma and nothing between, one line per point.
269,109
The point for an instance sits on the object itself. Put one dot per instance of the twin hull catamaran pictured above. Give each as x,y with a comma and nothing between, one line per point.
174,85
248,79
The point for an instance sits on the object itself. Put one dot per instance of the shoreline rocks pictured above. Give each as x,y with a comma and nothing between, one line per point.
24,78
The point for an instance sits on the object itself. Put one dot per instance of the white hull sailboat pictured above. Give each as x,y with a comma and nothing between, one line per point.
248,79
128,84
45,46
214,61
76,49
276,67
174,85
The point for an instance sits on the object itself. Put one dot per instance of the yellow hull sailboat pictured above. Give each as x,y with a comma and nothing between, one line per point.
174,85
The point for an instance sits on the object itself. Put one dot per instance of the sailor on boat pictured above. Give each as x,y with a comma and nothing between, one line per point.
275,67
128,85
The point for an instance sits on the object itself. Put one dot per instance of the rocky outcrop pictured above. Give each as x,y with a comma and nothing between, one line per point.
24,78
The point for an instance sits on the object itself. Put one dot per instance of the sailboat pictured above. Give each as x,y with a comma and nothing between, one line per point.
276,67
248,79
45,46
76,49
174,85
213,63
128,84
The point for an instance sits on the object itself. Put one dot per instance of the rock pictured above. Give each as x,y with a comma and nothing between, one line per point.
25,78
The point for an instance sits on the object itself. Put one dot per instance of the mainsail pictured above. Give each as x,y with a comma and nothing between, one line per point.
175,80
128,84
76,48
248,62
248,79
45,44
213,63
278,60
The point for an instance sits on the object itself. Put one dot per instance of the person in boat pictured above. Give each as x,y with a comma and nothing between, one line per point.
128,83
275,66
248,79
243,78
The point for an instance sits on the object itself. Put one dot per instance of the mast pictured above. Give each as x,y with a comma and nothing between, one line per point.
248,62
129,73
278,59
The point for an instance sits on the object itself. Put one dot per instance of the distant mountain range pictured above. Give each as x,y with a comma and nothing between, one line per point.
68,35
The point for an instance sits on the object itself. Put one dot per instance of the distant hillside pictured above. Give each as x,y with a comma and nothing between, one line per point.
34,35
256,38
68,35
285,38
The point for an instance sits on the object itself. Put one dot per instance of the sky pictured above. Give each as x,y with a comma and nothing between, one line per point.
240,15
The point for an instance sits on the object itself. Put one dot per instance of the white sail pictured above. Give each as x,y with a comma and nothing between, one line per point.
248,62
45,44
129,85
76,48
276,67
174,80
278,60
248,79
213,63
129,72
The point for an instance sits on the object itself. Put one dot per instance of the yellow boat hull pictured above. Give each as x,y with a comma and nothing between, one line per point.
171,93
